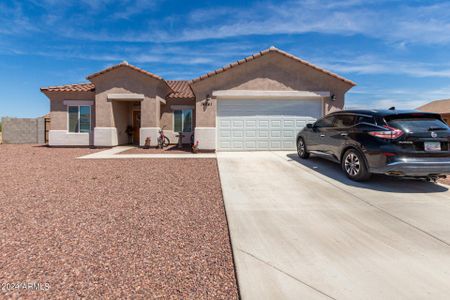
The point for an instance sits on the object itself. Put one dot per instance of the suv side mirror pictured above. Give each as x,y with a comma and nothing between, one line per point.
310,125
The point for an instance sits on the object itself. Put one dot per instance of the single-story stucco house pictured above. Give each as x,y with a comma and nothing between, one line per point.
441,107
257,103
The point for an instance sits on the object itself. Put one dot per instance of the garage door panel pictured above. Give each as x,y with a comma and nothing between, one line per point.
224,133
263,145
251,145
263,133
288,145
250,133
238,124
275,133
238,145
275,145
275,124
251,124
288,133
288,124
263,124
300,124
225,123
238,133
225,145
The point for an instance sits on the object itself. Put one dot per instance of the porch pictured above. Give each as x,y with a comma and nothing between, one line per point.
136,118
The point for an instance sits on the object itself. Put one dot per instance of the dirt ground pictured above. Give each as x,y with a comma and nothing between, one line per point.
142,229
446,180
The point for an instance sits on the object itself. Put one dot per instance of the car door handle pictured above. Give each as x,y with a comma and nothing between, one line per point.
322,135
344,134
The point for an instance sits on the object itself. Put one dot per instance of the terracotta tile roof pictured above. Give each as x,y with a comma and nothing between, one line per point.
78,87
437,106
264,52
123,64
181,89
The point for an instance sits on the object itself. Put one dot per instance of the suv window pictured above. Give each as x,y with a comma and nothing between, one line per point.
418,124
344,121
365,119
325,122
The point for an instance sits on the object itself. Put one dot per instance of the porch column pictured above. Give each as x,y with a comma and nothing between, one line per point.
105,132
150,115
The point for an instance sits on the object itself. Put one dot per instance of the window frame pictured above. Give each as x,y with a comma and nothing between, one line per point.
182,119
78,123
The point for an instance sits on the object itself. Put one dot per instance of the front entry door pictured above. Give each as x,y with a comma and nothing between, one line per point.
136,126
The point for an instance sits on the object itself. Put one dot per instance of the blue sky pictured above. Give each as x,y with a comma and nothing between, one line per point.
398,52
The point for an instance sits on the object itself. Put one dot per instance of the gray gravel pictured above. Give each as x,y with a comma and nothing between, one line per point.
152,228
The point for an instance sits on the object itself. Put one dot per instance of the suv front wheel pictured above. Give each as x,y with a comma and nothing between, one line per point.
301,149
354,165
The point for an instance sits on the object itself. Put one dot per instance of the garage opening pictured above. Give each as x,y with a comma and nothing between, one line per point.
263,124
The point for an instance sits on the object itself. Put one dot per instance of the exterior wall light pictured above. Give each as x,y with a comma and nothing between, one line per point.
207,101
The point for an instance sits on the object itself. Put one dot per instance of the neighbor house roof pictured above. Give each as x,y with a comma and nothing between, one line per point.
264,52
78,87
181,89
437,106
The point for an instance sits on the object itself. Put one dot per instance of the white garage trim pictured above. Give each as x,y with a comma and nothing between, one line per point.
263,124
295,95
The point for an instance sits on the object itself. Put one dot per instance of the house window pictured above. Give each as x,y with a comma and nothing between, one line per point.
182,120
79,118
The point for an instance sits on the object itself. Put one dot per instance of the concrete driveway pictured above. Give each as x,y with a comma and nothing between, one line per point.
302,230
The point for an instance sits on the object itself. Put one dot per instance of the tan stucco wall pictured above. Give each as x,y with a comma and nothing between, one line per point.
272,71
126,80
58,111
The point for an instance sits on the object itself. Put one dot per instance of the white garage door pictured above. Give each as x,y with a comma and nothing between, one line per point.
263,124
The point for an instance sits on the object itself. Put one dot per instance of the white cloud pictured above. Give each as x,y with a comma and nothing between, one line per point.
132,8
397,22
374,65
383,98
401,24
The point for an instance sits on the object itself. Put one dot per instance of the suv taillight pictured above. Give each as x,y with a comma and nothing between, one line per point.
390,134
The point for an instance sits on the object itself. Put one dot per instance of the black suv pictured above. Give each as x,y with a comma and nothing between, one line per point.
392,142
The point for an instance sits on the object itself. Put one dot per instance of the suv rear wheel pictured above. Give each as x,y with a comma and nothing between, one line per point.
354,165
301,149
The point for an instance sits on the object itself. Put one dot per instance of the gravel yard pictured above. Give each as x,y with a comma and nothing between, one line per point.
150,228
172,149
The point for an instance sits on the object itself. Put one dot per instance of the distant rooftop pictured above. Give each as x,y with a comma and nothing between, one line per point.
437,106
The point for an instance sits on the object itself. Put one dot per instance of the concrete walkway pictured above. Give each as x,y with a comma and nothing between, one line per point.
114,153
302,230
